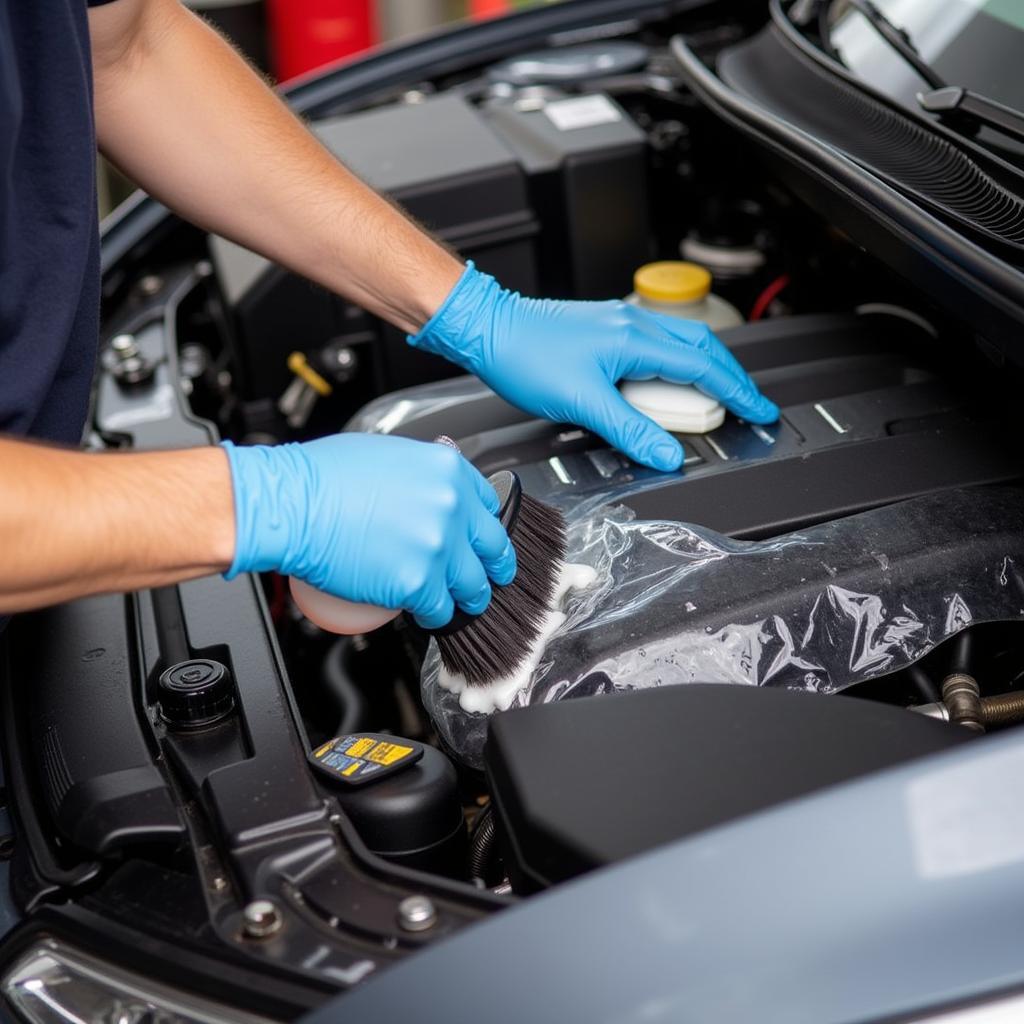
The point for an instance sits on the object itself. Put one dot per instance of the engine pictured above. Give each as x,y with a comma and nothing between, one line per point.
800,605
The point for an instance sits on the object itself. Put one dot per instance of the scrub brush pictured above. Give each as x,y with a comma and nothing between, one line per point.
480,648
484,648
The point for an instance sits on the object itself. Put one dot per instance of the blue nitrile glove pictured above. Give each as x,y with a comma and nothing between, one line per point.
562,360
374,519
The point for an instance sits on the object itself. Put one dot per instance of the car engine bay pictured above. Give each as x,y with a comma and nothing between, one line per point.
835,593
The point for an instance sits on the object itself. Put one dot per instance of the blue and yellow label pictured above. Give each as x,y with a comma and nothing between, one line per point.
364,757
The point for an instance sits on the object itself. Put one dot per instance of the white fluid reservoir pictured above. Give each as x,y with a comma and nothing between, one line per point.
337,615
683,290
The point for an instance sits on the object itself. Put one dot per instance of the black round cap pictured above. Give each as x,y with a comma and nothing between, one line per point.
195,693
414,816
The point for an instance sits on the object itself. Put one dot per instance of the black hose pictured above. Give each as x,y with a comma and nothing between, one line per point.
925,687
170,625
481,845
962,648
350,698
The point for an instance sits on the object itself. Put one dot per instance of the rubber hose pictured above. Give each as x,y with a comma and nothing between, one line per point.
350,698
925,687
481,846
961,660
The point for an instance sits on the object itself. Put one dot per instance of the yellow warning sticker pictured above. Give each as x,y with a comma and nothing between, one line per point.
360,747
364,757
387,753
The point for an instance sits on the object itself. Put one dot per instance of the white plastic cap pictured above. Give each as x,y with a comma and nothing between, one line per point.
680,408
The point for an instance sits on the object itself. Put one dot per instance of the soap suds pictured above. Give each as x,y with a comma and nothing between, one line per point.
498,696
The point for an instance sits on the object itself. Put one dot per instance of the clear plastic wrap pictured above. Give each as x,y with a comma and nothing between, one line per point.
819,610
386,414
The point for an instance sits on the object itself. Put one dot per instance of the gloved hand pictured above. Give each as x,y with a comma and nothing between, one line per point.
374,519
562,360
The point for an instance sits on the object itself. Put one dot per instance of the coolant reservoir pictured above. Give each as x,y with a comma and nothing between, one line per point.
679,289
335,614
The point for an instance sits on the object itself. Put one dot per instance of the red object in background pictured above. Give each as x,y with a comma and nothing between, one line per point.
768,296
306,34
488,8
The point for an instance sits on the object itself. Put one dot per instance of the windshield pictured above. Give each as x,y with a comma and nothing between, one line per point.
976,44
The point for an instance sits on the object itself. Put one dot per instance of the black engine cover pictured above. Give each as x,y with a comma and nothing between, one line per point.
586,782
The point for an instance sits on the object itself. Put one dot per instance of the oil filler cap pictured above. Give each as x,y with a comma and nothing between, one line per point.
195,693
363,757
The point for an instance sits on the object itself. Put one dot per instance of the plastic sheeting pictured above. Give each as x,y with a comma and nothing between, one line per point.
387,414
819,610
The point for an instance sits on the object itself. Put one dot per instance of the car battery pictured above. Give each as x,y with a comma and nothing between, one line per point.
441,161
585,159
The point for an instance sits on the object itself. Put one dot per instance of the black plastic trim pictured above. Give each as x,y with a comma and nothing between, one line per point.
835,68
958,273
931,168
838,481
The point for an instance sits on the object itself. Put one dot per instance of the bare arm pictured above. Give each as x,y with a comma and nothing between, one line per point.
190,121
184,116
75,523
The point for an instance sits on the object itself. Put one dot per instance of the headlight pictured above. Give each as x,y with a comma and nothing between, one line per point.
51,983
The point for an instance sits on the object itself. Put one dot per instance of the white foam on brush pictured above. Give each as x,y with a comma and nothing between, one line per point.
498,695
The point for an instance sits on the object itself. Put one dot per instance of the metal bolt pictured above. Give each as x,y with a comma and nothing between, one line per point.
124,346
193,360
261,918
150,284
417,914
960,693
129,366
340,361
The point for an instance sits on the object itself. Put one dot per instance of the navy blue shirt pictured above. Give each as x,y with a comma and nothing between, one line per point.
49,242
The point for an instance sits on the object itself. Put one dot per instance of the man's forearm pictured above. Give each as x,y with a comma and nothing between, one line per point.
75,523
184,116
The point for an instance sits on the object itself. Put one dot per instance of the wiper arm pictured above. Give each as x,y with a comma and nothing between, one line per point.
948,101
898,39
952,99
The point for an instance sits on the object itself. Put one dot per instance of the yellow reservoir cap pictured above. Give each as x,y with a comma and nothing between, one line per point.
672,281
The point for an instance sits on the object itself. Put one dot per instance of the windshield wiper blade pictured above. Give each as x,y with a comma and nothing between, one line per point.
899,39
952,99
952,103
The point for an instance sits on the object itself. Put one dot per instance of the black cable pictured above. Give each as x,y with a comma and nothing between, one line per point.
350,698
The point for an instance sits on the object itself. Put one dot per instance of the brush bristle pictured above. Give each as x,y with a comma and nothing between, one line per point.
495,644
